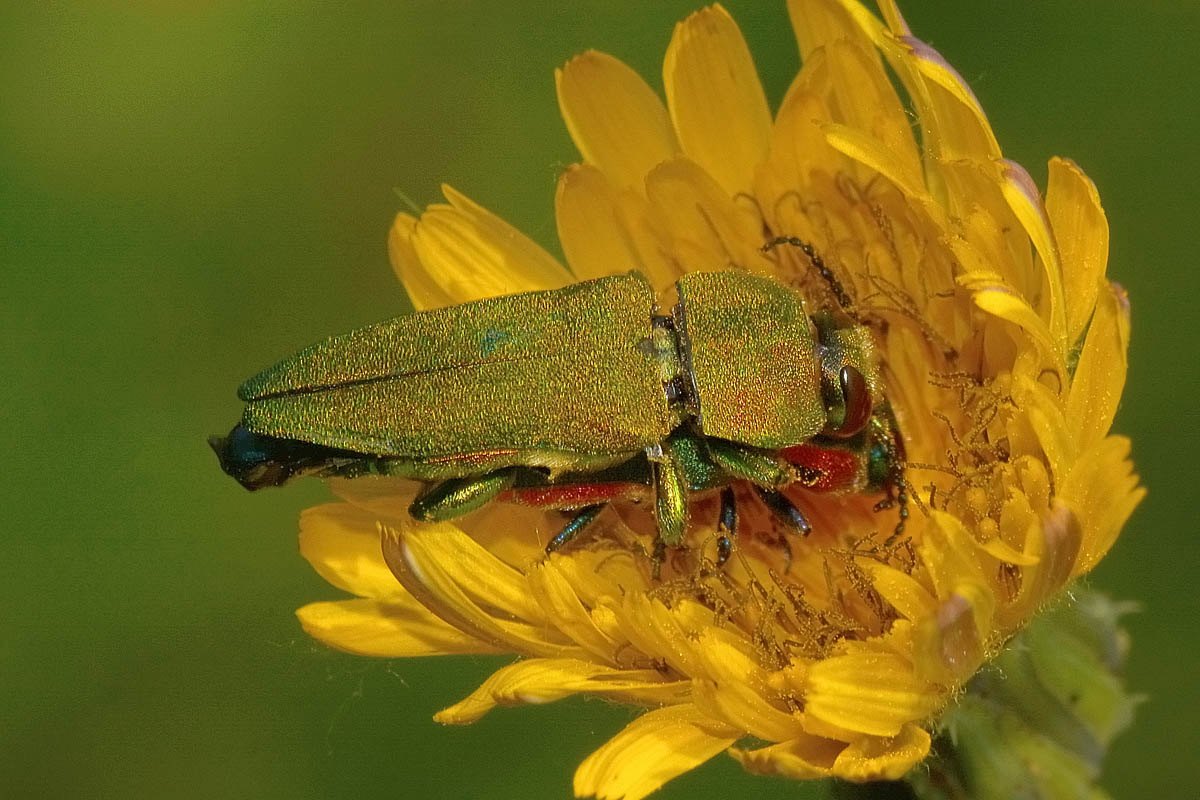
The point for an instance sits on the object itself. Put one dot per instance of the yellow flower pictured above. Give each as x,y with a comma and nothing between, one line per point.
1004,352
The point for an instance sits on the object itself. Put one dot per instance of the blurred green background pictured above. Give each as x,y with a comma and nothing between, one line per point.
189,190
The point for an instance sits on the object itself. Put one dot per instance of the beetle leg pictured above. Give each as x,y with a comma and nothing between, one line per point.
657,558
670,495
765,469
726,525
458,496
580,520
784,510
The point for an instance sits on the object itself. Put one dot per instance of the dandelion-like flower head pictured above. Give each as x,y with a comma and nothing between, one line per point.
1002,348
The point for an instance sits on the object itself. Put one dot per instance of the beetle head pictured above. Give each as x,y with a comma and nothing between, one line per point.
256,461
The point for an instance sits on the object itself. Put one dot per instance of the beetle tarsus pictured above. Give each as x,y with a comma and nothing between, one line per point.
657,557
726,525
785,511
579,520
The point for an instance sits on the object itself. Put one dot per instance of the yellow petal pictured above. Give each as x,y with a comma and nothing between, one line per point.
817,23
599,574
709,232
1103,491
949,645
865,101
1100,373
876,155
743,708
728,657
989,225
798,145
650,751
1016,515
342,544
661,631
605,232
423,290
902,591
554,593
1034,481
872,759
544,680
471,253
716,100
473,568
869,690
1045,415
1056,540
862,98
425,559
955,121
948,553
739,691
803,758
396,628
1024,200
1081,229
869,758
380,496
953,125
891,14
1005,304
513,533
1001,551
614,117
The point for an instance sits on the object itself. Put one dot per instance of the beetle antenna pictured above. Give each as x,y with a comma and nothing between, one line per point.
835,286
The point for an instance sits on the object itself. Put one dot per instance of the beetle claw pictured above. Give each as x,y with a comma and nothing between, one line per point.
785,511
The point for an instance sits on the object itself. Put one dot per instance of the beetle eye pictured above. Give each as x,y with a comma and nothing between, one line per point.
856,397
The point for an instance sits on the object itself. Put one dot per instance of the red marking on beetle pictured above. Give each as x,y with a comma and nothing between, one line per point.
842,470
575,495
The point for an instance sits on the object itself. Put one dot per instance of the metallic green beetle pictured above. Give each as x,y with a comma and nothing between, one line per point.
575,397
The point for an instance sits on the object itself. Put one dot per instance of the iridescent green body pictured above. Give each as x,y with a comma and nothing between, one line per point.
562,379
571,397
